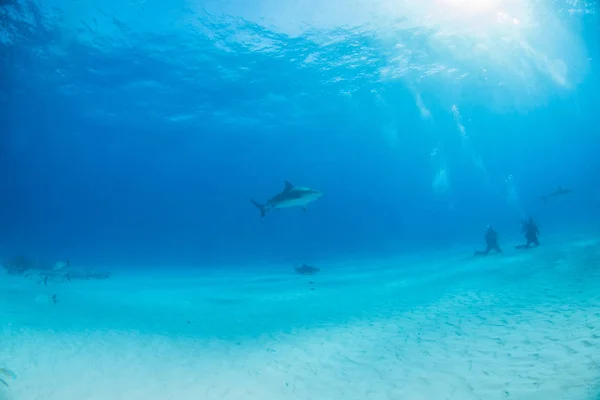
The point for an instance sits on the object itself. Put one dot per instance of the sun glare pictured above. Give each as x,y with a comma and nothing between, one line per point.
479,15
472,6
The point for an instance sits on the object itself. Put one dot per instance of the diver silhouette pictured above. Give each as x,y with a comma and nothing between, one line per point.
491,241
531,231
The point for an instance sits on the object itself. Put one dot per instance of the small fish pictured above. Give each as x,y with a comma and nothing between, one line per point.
291,196
53,298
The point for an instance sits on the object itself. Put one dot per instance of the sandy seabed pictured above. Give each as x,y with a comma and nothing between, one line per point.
519,326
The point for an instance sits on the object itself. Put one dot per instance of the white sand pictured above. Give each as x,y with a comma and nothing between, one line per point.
520,326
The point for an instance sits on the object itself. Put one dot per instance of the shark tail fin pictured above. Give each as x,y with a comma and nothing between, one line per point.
261,207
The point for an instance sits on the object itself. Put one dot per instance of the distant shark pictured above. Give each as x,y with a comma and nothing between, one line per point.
307,269
291,196
557,193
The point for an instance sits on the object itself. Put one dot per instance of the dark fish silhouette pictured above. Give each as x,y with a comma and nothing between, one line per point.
557,193
307,270
291,196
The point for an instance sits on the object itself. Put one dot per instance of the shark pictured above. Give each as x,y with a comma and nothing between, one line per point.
306,269
290,196
557,193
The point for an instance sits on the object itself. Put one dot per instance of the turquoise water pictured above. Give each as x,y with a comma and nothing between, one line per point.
134,138
518,325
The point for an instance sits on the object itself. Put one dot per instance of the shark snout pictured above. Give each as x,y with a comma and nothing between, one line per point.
316,194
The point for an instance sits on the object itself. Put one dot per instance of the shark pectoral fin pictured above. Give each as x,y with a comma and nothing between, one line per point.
8,373
287,186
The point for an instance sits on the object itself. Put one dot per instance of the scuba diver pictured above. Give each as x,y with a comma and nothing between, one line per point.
531,231
491,241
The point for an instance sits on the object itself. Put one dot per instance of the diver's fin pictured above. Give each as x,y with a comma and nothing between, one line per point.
261,207
288,186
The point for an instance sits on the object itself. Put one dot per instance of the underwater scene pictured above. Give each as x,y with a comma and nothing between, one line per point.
299,200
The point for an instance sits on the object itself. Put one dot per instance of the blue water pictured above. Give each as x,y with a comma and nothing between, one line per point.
134,135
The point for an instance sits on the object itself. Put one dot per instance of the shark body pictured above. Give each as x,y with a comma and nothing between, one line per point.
557,193
307,270
291,196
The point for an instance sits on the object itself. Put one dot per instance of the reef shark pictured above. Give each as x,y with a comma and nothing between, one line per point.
306,269
557,193
291,196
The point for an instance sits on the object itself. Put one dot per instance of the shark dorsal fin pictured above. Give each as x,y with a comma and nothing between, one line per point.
288,186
